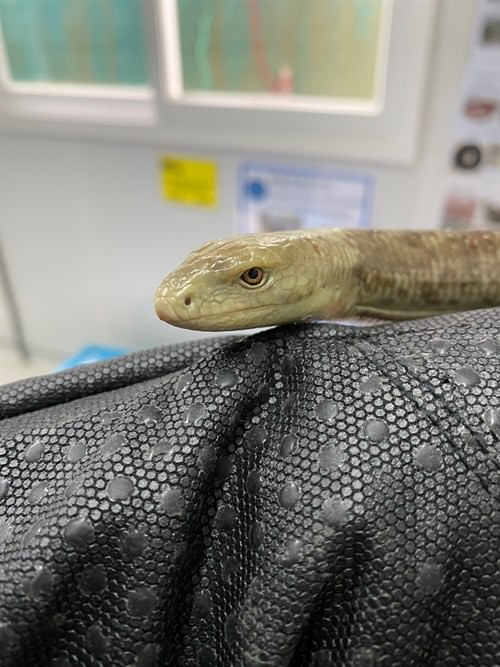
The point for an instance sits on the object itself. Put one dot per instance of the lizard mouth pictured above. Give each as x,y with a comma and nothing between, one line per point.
224,321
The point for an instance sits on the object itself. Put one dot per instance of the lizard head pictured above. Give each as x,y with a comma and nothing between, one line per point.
246,281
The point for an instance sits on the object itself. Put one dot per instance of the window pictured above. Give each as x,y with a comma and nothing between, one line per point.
79,62
325,77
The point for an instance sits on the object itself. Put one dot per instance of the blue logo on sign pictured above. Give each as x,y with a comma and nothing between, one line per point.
255,190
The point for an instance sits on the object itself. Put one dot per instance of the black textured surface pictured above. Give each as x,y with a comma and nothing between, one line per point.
313,495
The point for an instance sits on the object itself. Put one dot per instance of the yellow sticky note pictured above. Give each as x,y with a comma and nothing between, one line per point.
188,181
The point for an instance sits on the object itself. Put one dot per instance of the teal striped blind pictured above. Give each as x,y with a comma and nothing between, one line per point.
75,41
325,48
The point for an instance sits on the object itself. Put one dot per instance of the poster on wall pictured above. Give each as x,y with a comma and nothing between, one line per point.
472,189
275,197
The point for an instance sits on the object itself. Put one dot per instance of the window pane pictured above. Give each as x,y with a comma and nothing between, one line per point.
79,41
321,48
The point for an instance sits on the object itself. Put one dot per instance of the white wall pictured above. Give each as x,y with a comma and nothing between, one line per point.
88,236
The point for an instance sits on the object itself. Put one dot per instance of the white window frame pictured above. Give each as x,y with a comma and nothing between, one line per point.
384,130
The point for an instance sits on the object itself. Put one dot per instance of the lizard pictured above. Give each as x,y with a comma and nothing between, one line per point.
266,279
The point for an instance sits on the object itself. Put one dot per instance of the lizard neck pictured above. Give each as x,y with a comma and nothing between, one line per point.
335,255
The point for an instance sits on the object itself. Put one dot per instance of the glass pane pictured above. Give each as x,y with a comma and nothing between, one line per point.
75,41
321,48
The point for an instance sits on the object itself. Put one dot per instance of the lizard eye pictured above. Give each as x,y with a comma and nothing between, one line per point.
252,277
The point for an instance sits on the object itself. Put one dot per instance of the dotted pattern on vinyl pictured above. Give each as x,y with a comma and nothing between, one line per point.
312,495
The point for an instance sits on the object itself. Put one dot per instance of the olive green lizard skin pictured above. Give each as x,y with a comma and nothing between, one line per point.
327,274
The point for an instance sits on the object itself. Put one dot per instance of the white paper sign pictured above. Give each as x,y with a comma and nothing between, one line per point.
283,197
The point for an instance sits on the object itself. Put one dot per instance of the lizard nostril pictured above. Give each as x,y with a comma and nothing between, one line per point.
187,301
